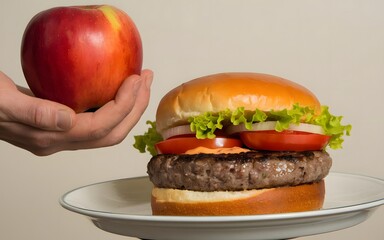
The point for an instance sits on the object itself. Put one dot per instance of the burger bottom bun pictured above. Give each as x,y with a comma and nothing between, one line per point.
176,202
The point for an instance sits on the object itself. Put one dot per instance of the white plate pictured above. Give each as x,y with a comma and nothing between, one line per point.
123,207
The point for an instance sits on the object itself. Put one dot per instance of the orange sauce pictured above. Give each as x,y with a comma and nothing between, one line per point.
216,150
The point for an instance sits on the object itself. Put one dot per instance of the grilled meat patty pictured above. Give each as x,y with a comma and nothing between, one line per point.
240,171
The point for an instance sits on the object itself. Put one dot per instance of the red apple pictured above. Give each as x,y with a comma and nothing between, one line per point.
80,55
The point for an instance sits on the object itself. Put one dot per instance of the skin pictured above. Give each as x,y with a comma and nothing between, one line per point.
45,127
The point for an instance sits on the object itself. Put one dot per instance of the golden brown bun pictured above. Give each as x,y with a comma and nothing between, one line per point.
267,201
222,91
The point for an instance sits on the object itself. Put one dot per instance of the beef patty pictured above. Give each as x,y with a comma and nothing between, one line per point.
241,171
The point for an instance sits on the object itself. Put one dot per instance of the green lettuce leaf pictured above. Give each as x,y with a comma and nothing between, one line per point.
332,126
147,141
205,125
293,116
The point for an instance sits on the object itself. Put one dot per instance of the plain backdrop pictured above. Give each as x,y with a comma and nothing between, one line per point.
334,48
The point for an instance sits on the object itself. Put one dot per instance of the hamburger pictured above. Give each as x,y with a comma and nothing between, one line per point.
239,144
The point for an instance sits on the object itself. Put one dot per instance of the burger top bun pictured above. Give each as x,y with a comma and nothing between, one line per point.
223,91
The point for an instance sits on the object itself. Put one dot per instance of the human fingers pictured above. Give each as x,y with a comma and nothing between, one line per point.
95,125
41,113
18,107
119,132
141,104
85,133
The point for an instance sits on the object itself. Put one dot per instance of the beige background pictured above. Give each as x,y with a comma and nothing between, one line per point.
335,48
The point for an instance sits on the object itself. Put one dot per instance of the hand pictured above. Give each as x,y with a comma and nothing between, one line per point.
44,127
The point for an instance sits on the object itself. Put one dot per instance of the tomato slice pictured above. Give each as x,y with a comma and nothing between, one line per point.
284,141
182,144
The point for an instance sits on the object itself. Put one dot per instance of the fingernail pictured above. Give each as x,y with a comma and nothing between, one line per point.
148,81
63,120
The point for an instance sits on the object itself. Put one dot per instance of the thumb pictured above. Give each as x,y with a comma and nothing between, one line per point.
42,113
16,106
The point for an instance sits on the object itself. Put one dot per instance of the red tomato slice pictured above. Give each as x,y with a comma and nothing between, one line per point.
284,141
182,144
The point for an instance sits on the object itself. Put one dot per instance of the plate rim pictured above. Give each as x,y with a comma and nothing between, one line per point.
243,218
